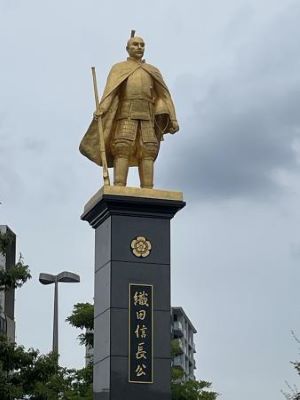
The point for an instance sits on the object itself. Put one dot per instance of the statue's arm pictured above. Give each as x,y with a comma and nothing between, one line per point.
163,93
106,103
110,90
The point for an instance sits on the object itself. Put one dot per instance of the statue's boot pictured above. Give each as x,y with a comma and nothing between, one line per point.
120,171
146,173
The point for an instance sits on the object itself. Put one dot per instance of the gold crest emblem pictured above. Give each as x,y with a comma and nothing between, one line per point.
141,247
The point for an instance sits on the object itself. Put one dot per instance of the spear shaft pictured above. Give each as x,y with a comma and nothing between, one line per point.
101,133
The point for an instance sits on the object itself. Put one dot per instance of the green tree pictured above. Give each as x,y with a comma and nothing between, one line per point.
294,393
82,384
16,276
28,374
193,390
5,241
82,317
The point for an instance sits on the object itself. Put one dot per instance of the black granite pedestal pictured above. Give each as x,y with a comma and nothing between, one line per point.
132,292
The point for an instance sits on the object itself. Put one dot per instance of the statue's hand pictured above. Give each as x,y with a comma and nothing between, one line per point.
175,127
97,114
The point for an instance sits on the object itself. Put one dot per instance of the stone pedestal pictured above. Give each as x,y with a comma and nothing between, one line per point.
132,249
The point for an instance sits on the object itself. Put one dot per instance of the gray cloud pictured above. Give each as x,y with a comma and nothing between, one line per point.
33,145
295,250
15,159
244,130
10,183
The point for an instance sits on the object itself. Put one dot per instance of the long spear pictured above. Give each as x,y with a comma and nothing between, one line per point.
101,133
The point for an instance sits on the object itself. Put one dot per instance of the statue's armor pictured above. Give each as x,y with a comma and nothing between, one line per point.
136,97
134,133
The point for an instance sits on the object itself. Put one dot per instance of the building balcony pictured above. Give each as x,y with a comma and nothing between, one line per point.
177,329
178,362
192,345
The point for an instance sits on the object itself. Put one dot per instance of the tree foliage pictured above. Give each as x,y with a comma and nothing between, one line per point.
14,277
5,241
28,374
82,317
17,275
192,390
294,393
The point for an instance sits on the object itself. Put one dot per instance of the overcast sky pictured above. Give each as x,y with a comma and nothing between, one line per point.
233,70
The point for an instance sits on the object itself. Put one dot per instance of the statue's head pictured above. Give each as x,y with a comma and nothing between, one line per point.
136,47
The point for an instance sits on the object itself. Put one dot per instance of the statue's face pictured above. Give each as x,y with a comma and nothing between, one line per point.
136,47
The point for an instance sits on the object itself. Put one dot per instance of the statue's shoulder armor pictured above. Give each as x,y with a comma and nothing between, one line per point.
118,65
121,68
151,67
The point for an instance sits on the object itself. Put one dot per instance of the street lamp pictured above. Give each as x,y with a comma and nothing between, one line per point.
47,279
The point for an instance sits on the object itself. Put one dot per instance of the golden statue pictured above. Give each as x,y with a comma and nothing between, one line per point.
135,111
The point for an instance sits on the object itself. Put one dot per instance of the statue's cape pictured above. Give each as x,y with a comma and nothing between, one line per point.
90,144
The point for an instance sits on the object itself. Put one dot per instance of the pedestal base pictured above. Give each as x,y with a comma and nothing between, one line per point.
132,249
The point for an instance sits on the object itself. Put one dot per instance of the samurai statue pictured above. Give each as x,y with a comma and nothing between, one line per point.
135,112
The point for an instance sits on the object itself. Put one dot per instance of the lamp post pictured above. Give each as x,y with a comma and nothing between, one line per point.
47,279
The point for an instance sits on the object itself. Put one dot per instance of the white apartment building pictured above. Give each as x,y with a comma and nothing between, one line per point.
183,330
